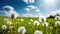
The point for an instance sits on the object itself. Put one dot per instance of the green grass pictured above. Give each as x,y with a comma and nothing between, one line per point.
31,28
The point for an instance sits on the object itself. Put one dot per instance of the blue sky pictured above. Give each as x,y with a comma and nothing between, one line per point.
45,6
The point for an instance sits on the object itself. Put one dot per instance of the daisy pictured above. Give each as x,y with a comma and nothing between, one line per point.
22,19
37,32
45,24
22,30
57,22
31,20
4,26
36,23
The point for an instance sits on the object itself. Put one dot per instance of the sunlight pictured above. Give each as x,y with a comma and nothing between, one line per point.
49,2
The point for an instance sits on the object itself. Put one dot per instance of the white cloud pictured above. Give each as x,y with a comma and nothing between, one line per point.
10,12
36,10
53,13
49,2
27,9
8,8
32,7
28,1
31,1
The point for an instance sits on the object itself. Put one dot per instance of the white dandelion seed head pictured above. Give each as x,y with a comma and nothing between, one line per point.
42,19
37,32
45,24
10,27
18,19
22,19
4,26
6,19
14,13
9,10
36,23
22,30
31,20
57,22
51,27
29,23
8,22
57,17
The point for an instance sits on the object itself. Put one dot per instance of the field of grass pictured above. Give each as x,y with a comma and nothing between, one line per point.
28,24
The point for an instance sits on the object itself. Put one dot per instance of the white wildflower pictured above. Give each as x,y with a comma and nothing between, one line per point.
57,22
37,32
6,19
18,19
10,27
51,27
45,24
21,30
29,23
36,23
31,20
57,17
22,19
8,22
4,26
42,19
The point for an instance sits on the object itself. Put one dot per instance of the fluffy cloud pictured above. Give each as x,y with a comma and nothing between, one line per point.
32,7
50,2
36,10
9,11
7,8
28,1
53,13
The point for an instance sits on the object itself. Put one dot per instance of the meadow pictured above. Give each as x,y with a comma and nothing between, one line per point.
28,23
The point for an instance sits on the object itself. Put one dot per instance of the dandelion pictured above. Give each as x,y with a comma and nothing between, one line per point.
4,26
6,19
18,19
29,23
10,12
22,20
22,30
31,20
10,27
57,17
51,27
57,22
8,22
37,32
42,19
36,23
45,24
